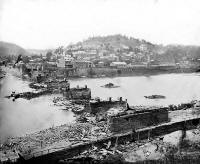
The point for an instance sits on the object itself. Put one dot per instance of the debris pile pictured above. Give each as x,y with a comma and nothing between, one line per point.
69,105
86,117
127,152
76,132
182,106
34,85
28,95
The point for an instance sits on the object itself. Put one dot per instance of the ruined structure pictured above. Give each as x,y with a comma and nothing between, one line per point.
96,106
78,93
138,120
58,85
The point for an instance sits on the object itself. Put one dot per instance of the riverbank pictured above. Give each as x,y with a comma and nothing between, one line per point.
123,72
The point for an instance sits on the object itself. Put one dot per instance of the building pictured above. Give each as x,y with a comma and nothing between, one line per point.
61,63
50,66
100,64
79,64
66,62
118,64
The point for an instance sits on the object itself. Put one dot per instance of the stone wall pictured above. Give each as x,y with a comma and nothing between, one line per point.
95,71
105,71
138,120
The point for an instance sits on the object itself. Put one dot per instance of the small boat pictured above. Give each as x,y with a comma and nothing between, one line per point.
155,97
110,85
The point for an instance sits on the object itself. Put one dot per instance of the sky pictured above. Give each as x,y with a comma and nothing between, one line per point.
41,24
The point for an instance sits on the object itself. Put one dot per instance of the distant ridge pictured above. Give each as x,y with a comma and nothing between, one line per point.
116,41
113,44
7,49
38,51
169,53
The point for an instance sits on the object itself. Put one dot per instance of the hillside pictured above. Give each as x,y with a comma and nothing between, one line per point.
7,49
114,41
169,53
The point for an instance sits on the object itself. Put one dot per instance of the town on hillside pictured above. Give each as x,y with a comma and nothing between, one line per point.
113,55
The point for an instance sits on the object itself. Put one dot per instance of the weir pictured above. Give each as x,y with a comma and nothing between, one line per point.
52,156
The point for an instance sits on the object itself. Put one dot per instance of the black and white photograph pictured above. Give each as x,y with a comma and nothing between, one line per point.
99,81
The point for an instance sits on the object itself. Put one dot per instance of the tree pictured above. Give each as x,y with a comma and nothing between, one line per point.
49,54
25,59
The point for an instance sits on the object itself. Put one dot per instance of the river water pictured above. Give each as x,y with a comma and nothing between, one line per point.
177,88
25,116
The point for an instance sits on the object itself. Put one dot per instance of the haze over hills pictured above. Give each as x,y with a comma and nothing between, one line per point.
7,49
38,51
115,43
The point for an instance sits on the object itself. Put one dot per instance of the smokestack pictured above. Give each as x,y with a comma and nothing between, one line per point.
120,99
110,99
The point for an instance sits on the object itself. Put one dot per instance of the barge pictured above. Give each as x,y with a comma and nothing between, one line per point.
155,97
110,85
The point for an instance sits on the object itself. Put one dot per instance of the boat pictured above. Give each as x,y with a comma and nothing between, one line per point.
110,85
155,97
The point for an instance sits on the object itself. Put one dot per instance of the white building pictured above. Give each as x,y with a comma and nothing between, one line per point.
66,61
118,64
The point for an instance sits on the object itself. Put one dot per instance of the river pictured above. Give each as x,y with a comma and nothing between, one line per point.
177,88
25,116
